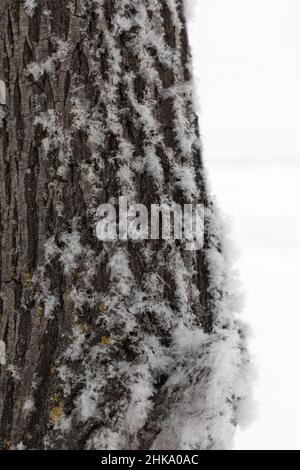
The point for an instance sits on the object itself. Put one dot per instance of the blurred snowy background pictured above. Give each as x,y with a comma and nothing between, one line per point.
247,67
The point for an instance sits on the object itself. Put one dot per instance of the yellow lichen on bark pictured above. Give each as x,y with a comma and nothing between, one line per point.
26,279
56,413
105,340
102,308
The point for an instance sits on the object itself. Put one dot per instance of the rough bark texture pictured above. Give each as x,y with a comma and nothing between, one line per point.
98,105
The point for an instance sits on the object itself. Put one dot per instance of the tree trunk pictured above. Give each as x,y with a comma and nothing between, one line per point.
107,345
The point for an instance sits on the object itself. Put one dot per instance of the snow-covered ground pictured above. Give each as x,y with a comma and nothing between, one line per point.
247,62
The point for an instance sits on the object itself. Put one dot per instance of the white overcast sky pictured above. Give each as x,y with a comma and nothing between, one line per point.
247,67
247,61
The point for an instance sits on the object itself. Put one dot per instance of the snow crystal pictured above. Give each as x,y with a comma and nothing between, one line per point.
80,114
2,353
120,272
30,6
65,376
68,254
49,122
50,303
74,351
87,402
2,101
2,92
20,446
79,297
180,275
28,406
51,250
49,66
189,341
140,400
71,251
185,176
105,439
154,167
125,177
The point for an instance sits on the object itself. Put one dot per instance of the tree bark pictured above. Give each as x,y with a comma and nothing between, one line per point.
108,345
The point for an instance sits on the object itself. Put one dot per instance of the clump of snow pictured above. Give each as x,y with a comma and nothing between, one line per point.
57,139
51,303
68,254
49,122
189,341
153,166
51,250
28,406
2,92
20,446
74,351
71,251
2,353
87,402
30,6
140,405
2,102
80,298
185,177
120,272
49,66
180,276
105,439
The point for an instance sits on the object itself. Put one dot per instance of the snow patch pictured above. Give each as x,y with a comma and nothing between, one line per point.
49,66
28,406
2,102
87,403
71,251
20,446
140,400
51,250
51,303
49,122
2,92
185,176
30,6
2,353
120,272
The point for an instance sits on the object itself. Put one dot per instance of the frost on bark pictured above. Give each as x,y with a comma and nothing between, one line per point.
115,345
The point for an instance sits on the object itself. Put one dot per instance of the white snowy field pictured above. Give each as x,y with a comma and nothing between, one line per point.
247,66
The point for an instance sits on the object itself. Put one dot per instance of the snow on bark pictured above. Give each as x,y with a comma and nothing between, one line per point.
216,366
2,102
2,353
2,92
37,70
30,6
122,345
